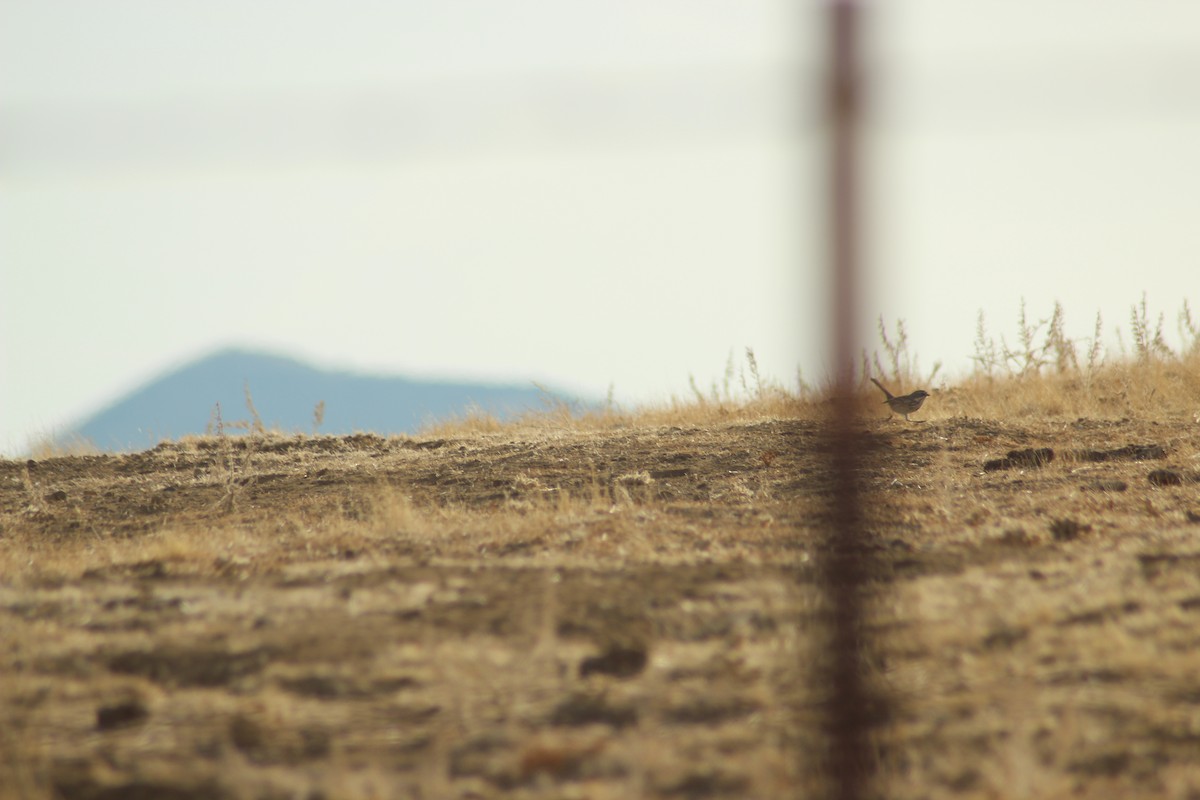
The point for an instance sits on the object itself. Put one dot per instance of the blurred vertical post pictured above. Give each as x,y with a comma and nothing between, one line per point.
844,566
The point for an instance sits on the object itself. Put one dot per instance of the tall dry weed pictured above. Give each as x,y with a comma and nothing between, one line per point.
902,370
1043,373
1148,341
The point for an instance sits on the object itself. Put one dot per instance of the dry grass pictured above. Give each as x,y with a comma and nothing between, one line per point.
616,604
742,395
1154,390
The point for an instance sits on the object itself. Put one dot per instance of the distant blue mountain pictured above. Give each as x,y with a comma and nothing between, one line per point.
285,394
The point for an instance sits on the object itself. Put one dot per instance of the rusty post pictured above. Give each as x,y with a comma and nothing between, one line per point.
845,563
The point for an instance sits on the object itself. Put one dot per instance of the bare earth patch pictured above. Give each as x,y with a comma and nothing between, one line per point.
605,614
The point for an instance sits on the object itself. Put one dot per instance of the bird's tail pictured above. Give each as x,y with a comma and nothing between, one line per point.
885,391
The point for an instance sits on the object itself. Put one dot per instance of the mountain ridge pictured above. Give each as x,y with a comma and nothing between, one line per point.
285,392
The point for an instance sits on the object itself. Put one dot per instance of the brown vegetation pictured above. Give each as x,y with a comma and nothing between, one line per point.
617,606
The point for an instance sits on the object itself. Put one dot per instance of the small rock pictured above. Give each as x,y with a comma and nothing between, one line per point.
1067,530
1034,457
660,474
120,715
56,497
1130,452
1017,537
1165,477
248,736
621,662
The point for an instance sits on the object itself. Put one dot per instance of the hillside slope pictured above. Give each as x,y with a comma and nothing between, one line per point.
622,612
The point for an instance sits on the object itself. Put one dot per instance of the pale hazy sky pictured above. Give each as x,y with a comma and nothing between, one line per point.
587,194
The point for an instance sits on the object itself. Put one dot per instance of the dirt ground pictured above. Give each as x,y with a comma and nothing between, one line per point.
630,612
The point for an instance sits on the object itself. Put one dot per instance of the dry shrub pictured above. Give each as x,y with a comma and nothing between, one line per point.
742,395
1043,374
1148,390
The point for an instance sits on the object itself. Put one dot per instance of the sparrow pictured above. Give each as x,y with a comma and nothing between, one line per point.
905,404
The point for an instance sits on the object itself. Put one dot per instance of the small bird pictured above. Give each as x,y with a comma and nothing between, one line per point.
906,404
